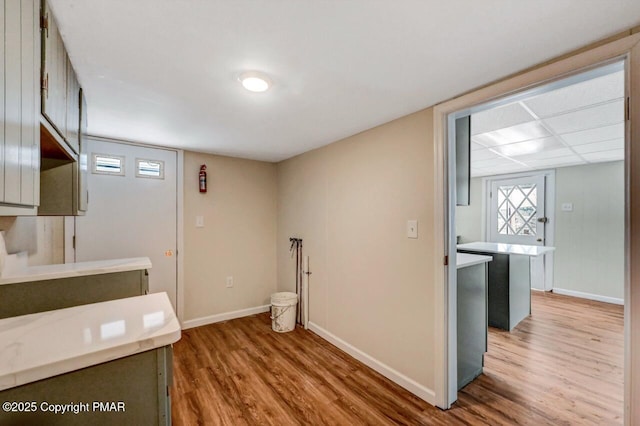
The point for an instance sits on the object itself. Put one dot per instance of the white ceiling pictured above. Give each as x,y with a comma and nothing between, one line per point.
579,124
164,71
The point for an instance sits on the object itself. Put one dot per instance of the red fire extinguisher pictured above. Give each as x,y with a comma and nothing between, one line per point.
203,178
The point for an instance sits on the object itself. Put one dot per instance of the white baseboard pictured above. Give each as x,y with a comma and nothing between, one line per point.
590,296
197,322
391,374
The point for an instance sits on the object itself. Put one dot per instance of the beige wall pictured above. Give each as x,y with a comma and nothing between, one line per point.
238,239
350,201
42,237
589,256
470,219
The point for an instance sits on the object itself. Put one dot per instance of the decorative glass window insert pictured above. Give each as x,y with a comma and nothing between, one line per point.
517,209
149,168
108,164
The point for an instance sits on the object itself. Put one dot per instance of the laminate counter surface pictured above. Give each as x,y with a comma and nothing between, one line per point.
66,270
502,248
41,345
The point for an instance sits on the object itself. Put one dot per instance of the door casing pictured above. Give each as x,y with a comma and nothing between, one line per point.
626,48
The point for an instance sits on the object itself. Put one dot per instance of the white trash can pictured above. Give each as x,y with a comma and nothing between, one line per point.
283,311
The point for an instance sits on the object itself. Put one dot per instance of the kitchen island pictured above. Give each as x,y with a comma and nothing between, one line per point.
509,282
110,361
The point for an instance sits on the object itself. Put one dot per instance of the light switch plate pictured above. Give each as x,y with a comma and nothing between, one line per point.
412,229
199,221
567,207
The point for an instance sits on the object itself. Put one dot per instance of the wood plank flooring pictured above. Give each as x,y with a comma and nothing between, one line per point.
561,366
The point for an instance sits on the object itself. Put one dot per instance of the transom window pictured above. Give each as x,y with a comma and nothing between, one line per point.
108,164
149,168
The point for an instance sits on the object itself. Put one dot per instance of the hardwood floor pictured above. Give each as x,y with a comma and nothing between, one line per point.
562,365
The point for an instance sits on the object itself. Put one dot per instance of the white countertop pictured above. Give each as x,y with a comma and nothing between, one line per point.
467,259
65,270
506,248
37,346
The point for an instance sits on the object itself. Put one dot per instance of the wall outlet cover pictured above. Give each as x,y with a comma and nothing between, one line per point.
412,229
229,282
567,207
199,221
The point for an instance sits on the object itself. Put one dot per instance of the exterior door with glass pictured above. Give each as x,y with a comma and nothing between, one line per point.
517,213
517,216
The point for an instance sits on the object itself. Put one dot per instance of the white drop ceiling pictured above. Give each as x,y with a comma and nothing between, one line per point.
165,71
578,124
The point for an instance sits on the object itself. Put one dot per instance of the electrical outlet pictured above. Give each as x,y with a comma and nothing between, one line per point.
199,221
229,282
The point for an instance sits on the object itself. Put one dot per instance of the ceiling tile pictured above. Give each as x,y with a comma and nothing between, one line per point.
588,116
580,95
501,170
482,155
494,162
601,115
550,153
498,118
480,172
556,161
597,157
518,133
529,147
614,144
598,134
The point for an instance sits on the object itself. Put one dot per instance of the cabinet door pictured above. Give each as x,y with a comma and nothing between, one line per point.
73,108
54,94
30,147
20,75
83,190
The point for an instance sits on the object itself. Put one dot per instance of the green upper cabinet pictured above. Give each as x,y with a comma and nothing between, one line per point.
63,189
19,106
73,109
60,87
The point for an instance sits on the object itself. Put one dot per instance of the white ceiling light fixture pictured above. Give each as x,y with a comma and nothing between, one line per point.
255,81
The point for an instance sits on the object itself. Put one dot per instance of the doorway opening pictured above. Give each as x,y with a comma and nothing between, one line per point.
545,168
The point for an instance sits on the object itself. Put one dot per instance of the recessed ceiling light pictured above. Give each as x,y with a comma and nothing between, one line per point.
255,81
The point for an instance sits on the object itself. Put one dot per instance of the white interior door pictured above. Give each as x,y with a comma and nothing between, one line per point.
517,215
132,212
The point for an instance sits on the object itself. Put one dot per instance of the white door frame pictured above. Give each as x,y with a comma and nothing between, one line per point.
444,206
550,212
69,222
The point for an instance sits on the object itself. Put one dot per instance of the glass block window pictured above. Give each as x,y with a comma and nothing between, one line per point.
108,164
517,209
149,168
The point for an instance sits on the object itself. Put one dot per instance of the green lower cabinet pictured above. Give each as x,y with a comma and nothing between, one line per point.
40,296
128,391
